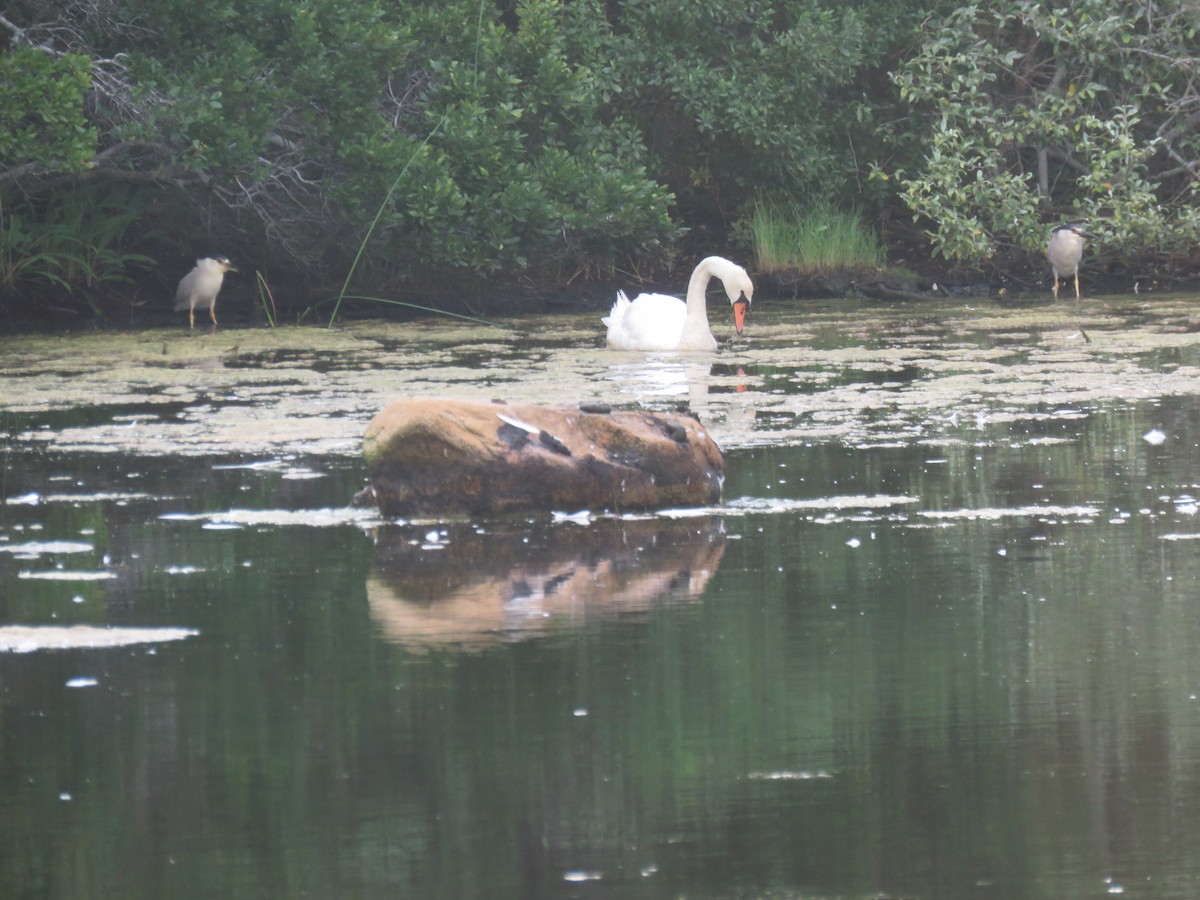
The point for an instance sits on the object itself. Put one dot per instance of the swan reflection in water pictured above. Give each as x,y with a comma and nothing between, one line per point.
470,587
716,392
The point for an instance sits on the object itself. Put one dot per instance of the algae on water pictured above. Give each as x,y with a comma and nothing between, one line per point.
926,373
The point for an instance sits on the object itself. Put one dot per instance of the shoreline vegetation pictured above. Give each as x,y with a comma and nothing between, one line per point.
555,150
823,270
793,252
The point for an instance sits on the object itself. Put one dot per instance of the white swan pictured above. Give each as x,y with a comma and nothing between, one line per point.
661,322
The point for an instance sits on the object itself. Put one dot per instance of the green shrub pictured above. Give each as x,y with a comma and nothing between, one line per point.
1033,114
42,123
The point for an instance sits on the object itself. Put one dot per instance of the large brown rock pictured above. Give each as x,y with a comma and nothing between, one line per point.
434,457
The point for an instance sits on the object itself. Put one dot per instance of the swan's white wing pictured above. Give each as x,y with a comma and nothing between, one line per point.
617,313
648,322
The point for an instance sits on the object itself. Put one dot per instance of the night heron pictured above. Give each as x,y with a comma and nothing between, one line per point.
1064,251
198,289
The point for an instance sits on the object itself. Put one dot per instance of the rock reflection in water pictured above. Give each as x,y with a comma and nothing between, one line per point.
473,588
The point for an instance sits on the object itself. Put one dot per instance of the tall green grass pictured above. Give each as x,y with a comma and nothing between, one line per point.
814,240
76,240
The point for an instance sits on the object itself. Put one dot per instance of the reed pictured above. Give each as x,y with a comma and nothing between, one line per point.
813,240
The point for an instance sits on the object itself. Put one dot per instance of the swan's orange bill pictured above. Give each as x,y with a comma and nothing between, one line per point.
739,313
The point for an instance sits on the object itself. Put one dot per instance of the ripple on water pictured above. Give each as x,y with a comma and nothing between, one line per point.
316,518
31,638
33,549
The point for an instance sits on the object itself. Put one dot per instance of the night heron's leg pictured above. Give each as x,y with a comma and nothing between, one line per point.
1055,285
1076,284
192,318
212,314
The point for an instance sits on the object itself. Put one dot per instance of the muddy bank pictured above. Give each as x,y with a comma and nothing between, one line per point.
910,277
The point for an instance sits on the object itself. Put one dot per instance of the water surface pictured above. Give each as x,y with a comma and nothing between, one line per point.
938,642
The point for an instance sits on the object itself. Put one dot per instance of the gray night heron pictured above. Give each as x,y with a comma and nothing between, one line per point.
1064,251
198,289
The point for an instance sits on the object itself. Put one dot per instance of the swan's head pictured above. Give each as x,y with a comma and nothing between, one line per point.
740,290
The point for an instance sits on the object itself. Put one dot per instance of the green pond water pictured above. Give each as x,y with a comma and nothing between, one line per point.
940,640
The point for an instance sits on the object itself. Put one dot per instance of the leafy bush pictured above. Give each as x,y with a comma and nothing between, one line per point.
742,96
42,123
514,168
1035,113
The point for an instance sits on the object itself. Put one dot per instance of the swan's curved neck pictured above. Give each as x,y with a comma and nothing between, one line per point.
697,303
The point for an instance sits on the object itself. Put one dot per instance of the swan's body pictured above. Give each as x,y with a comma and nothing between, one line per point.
662,322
